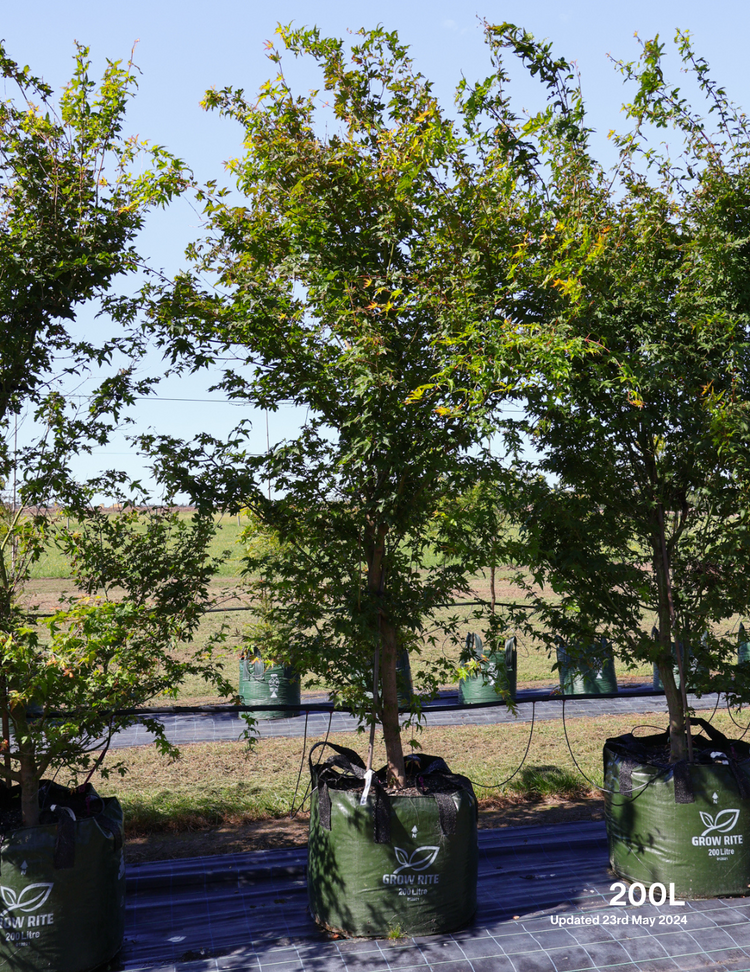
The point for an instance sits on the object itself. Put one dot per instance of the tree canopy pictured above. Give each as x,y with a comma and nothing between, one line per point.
636,373
74,192
366,237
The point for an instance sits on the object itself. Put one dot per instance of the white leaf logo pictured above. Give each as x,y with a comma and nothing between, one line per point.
32,897
420,859
9,896
723,822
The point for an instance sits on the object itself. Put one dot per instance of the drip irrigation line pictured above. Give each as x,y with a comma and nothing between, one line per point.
293,813
646,725
496,786
729,711
327,707
603,789
718,698
137,713
100,758
301,765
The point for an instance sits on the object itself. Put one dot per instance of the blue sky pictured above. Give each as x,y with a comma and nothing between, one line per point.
184,48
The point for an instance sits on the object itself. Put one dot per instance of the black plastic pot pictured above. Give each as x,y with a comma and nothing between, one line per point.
594,675
403,863
497,669
62,886
681,824
279,684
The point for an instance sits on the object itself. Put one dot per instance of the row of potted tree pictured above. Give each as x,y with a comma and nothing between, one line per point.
404,277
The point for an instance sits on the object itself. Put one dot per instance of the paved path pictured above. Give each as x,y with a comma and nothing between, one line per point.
224,726
248,913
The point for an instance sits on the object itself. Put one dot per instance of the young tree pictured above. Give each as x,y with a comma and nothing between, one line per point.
73,195
638,373
123,640
339,285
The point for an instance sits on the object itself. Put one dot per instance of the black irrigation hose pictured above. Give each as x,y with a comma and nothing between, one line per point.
299,775
292,812
646,725
718,699
496,786
553,696
729,711
603,789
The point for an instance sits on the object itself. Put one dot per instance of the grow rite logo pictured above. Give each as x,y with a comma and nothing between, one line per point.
273,684
723,822
32,897
409,874
716,836
20,928
420,859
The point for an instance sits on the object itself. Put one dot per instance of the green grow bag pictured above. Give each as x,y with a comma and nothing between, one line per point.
495,668
63,885
404,863
743,645
682,824
595,676
279,684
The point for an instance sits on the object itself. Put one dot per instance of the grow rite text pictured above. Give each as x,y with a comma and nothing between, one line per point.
411,878
717,841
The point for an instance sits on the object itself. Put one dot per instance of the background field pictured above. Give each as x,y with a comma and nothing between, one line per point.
232,611
222,797
225,797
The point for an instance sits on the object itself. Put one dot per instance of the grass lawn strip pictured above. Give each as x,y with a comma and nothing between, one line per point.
220,797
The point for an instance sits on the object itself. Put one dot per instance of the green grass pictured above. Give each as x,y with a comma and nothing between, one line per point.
222,783
534,664
54,564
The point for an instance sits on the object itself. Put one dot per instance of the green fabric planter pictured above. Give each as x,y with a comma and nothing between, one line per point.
658,684
743,645
279,684
594,676
499,668
690,825
63,889
400,863
404,684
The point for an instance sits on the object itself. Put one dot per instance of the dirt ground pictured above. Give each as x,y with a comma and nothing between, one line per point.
285,832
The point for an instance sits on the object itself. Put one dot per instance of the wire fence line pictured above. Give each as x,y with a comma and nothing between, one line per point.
448,604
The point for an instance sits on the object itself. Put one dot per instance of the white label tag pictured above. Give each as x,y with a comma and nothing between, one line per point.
366,791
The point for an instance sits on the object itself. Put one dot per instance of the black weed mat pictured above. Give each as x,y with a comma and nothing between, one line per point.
187,727
544,906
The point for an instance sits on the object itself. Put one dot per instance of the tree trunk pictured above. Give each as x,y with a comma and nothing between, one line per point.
391,727
676,697
387,644
677,728
29,774
5,611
